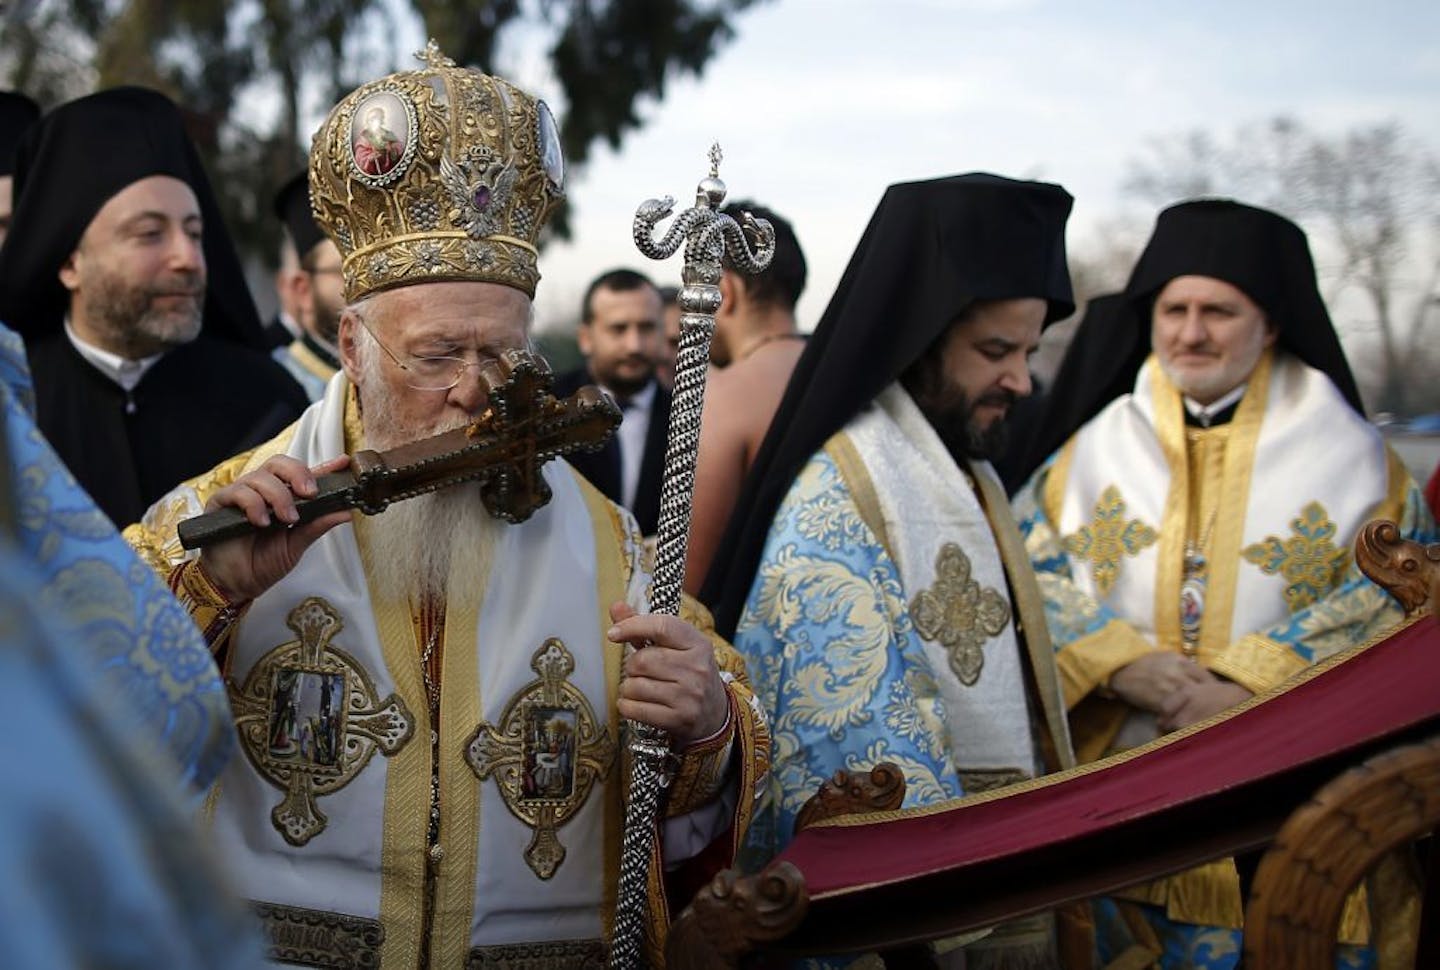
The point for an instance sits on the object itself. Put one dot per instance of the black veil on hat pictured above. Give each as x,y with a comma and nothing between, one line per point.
17,114
292,207
1100,364
1257,251
74,161
931,249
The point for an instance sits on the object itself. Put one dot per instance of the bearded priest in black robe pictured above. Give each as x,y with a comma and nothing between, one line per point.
144,343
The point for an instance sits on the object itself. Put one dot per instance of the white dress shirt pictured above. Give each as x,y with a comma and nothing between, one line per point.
633,430
122,371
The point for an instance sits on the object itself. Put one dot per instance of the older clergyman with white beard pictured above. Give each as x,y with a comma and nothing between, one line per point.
1192,537
144,344
430,699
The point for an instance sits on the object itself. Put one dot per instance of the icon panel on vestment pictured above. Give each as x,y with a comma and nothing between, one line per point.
310,719
546,754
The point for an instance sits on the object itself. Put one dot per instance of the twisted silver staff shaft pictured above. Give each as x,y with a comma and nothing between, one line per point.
709,237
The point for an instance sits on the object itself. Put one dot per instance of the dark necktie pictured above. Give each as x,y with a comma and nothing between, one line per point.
612,465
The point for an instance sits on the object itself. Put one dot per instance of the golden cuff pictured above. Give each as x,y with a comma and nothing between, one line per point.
1256,663
1088,663
211,610
704,768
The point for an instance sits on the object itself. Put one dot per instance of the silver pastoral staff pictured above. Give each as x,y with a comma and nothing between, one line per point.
709,237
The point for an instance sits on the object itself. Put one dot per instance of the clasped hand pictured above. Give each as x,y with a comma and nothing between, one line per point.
1177,690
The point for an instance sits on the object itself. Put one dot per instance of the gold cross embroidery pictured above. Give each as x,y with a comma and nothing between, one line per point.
546,754
310,721
1308,559
959,613
1109,538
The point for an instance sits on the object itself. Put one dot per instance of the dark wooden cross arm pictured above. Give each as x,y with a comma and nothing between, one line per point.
523,427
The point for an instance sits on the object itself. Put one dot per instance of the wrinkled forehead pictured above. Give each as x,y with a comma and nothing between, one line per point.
1195,286
462,313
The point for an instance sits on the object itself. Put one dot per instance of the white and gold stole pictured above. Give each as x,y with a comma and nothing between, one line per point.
928,513
361,818
1302,472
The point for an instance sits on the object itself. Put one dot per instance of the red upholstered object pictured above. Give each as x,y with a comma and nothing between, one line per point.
1200,794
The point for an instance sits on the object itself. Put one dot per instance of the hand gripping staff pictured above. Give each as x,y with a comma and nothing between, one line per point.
709,238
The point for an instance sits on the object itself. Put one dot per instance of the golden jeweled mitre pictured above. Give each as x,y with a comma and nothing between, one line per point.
441,173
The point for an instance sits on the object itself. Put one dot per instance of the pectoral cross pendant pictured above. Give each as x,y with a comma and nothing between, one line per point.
1192,599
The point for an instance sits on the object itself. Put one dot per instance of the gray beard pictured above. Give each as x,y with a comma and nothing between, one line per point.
132,326
416,545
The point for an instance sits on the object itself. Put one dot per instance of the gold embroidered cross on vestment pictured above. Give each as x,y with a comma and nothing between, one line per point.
310,720
959,613
1109,538
546,754
1307,559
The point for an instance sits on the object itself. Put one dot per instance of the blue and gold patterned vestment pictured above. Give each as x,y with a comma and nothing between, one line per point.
118,617
889,621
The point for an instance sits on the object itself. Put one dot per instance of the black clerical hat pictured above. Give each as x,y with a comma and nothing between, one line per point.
17,114
1259,252
931,250
74,161
292,207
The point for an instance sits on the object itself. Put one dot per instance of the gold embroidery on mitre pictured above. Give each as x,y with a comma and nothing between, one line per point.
959,613
310,721
546,754
1109,538
441,173
1307,559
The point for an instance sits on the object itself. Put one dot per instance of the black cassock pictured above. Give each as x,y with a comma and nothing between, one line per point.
198,405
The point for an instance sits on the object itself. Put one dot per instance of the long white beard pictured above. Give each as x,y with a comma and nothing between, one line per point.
416,545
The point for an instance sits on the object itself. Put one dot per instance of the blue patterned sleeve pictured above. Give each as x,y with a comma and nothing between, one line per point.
827,637
1356,609
120,618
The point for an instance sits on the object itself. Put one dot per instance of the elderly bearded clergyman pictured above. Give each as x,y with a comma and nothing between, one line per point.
470,811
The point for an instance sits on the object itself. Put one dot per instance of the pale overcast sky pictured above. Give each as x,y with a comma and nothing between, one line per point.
819,104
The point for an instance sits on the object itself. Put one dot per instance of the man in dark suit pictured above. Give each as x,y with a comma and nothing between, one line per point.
620,335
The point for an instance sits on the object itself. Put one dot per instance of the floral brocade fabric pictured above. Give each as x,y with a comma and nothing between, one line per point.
835,658
118,615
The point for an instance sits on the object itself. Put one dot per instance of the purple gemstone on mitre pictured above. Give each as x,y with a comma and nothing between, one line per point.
482,197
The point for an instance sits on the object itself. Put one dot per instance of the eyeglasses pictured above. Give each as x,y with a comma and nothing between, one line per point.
426,373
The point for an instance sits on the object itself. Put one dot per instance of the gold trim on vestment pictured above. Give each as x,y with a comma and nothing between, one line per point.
460,821
610,587
318,938
1052,496
1257,663
1397,490
1029,607
1224,558
1087,663
407,780
549,955
310,361
1169,417
1305,676
852,468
